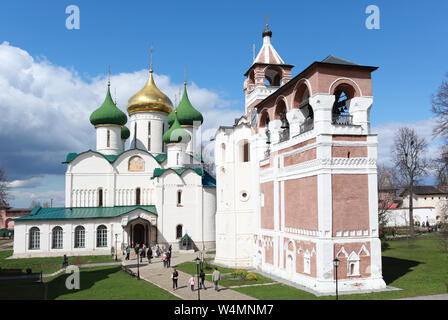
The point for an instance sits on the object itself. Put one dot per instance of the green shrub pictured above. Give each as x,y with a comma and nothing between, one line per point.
251,276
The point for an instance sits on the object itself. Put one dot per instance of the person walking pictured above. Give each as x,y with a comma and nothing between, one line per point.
191,282
149,254
64,261
142,254
128,252
164,259
136,249
202,280
170,249
157,250
175,277
216,276
168,259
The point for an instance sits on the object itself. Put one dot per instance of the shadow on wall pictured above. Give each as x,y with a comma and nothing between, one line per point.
394,268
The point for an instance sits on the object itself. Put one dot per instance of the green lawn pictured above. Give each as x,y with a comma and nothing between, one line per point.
418,267
101,283
226,277
46,265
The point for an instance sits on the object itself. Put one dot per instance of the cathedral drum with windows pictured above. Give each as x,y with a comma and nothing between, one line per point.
157,191
297,177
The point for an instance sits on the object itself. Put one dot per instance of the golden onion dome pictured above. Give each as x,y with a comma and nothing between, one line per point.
150,98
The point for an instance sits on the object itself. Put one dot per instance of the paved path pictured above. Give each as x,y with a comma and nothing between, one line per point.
161,277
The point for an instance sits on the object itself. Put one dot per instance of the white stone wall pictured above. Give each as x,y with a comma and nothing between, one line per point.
159,125
22,228
235,196
115,144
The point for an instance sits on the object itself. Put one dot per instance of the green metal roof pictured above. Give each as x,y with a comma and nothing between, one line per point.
125,133
176,133
39,213
185,237
180,171
207,179
108,113
186,113
111,157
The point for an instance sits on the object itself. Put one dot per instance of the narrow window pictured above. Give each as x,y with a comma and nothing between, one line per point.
137,196
34,239
223,153
57,238
100,197
246,152
80,236
179,198
177,159
179,231
101,236
108,138
149,136
163,131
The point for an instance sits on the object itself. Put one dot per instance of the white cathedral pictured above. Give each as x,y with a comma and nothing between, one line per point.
157,191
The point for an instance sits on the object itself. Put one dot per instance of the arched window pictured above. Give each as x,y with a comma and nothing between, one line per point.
301,102
101,236
80,237
34,238
108,138
353,265
57,235
244,151
137,196
306,262
280,113
223,153
100,197
179,231
179,197
273,77
341,115
149,136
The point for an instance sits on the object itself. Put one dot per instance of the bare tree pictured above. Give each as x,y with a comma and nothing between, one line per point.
439,102
440,166
410,162
35,203
4,190
386,193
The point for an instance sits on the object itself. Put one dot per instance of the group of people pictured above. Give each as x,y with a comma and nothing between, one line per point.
216,276
142,252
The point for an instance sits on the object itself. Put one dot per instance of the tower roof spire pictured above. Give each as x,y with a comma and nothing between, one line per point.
150,61
267,53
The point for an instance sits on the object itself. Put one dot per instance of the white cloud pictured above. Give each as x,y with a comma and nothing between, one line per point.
45,110
386,134
26,183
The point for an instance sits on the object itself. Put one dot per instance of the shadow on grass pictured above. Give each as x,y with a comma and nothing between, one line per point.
394,268
57,287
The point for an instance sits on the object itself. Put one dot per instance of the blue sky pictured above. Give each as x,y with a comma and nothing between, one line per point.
214,40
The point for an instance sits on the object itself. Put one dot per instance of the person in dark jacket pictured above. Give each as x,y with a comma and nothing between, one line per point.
202,280
175,277
149,254
168,259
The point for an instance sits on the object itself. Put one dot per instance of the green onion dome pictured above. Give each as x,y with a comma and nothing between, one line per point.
125,133
108,113
186,113
176,134
170,118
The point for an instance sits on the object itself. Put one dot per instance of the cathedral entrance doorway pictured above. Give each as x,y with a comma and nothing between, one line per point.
139,235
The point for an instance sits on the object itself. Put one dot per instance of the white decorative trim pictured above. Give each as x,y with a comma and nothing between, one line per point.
331,86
